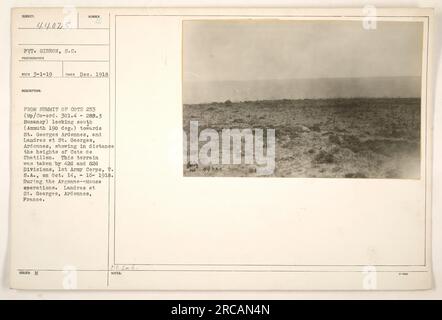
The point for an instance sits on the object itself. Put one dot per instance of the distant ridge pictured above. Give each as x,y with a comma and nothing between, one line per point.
321,88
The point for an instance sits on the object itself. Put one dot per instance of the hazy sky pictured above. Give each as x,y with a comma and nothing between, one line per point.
229,50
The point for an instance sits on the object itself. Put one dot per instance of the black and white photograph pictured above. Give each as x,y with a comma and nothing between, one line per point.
216,152
306,99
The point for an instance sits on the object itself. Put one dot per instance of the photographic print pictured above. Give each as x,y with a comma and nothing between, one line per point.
309,99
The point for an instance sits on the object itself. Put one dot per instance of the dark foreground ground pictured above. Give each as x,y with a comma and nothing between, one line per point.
342,138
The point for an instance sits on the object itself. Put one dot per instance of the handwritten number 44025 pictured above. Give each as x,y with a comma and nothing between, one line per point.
49,25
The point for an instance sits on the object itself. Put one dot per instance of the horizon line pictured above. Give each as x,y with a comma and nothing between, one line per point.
286,99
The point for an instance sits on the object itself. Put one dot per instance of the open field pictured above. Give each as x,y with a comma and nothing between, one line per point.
327,138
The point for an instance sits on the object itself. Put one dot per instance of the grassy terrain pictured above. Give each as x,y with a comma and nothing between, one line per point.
343,138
